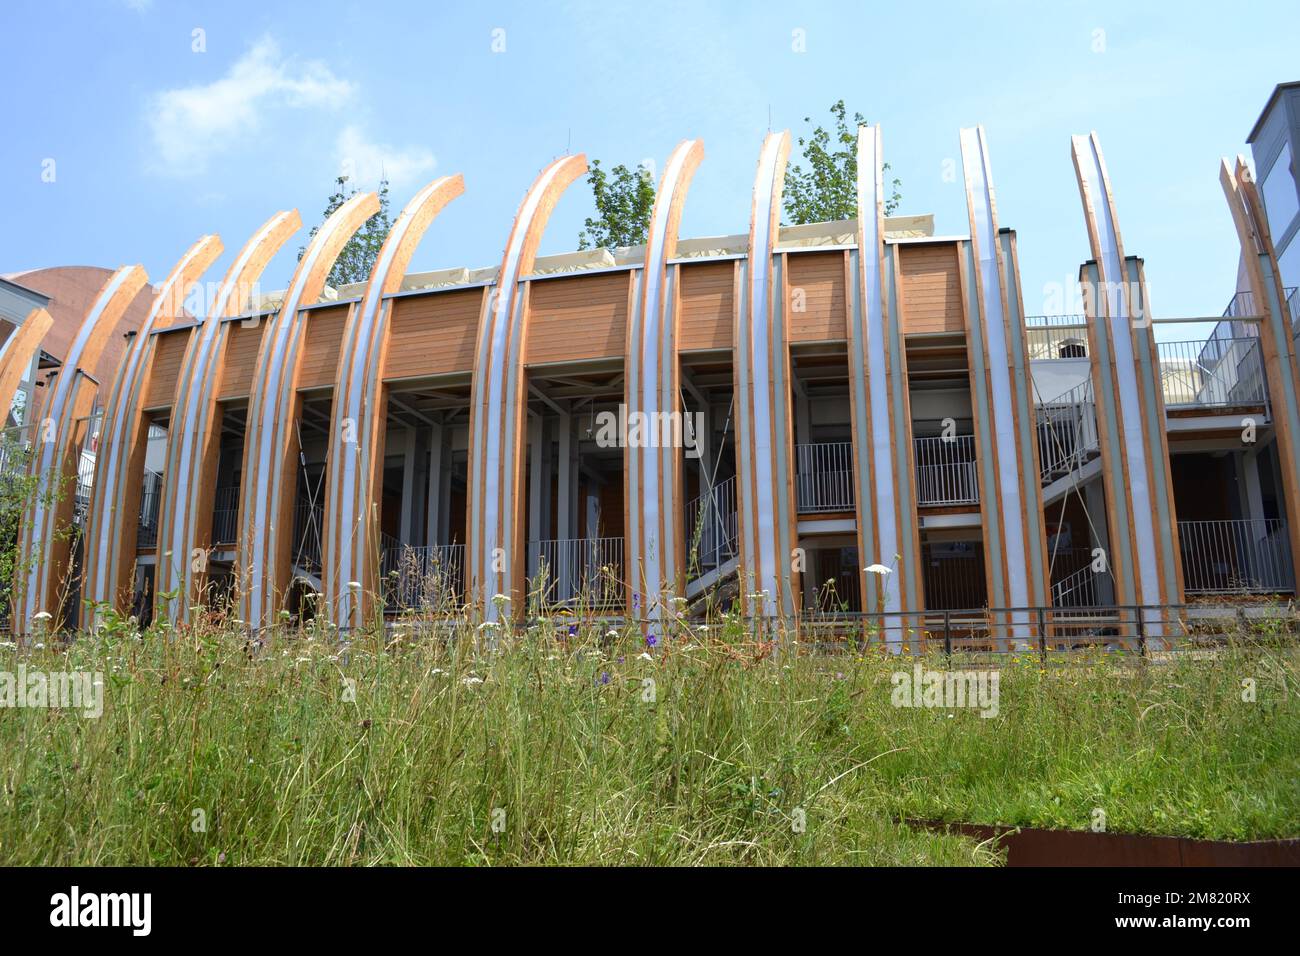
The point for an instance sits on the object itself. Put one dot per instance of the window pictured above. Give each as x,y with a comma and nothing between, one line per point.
1279,191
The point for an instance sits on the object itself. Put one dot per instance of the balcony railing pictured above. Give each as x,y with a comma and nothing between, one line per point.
225,515
1067,432
1220,372
588,569
824,478
954,575
150,499
945,471
422,577
1236,556
711,528
1056,336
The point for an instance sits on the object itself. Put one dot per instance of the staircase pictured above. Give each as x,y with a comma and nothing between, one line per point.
711,538
1067,433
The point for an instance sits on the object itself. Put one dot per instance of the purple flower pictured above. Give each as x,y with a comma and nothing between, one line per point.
604,677
651,641
573,630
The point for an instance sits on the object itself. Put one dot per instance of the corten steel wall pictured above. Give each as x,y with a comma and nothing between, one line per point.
869,295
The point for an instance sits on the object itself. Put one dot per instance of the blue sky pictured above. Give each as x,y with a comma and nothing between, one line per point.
155,144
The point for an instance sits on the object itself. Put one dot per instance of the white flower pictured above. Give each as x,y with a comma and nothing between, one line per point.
42,616
611,633
471,680
878,569
646,657
354,585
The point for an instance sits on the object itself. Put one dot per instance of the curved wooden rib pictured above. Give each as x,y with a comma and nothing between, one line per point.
498,402
44,543
356,445
111,522
189,476
1144,557
1281,364
653,475
882,423
764,443
16,356
270,479
1011,503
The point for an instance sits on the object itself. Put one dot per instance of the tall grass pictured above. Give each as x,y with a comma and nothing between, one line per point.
577,745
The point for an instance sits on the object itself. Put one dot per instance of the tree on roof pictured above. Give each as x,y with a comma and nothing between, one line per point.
826,189
358,256
624,199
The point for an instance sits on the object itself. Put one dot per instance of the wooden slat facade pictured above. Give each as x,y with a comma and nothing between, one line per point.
168,353
707,300
930,292
324,341
433,334
817,306
577,319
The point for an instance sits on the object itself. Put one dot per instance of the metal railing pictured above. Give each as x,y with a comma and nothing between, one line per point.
588,568
225,515
1220,372
945,471
421,577
1056,336
1137,629
150,499
824,477
711,528
1067,432
1251,555
1242,305
953,575
1079,589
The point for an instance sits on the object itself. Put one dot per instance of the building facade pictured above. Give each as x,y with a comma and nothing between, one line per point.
842,418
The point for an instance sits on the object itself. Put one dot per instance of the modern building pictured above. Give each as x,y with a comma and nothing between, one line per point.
839,418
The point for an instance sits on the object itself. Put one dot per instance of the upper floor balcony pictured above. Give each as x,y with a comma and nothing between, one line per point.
945,474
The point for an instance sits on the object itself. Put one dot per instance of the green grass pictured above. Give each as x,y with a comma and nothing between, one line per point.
289,767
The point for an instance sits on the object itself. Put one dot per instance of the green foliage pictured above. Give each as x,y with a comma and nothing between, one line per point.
825,190
624,199
407,746
358,256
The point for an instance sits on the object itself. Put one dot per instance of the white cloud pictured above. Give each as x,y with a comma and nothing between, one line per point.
365,162
190,125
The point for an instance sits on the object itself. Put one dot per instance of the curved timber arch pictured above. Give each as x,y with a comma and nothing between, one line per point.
884,470
16,356
764,433
356,445
1011,504
44,544
271,441
1144,557
189,475
498,401
653,475
111,523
